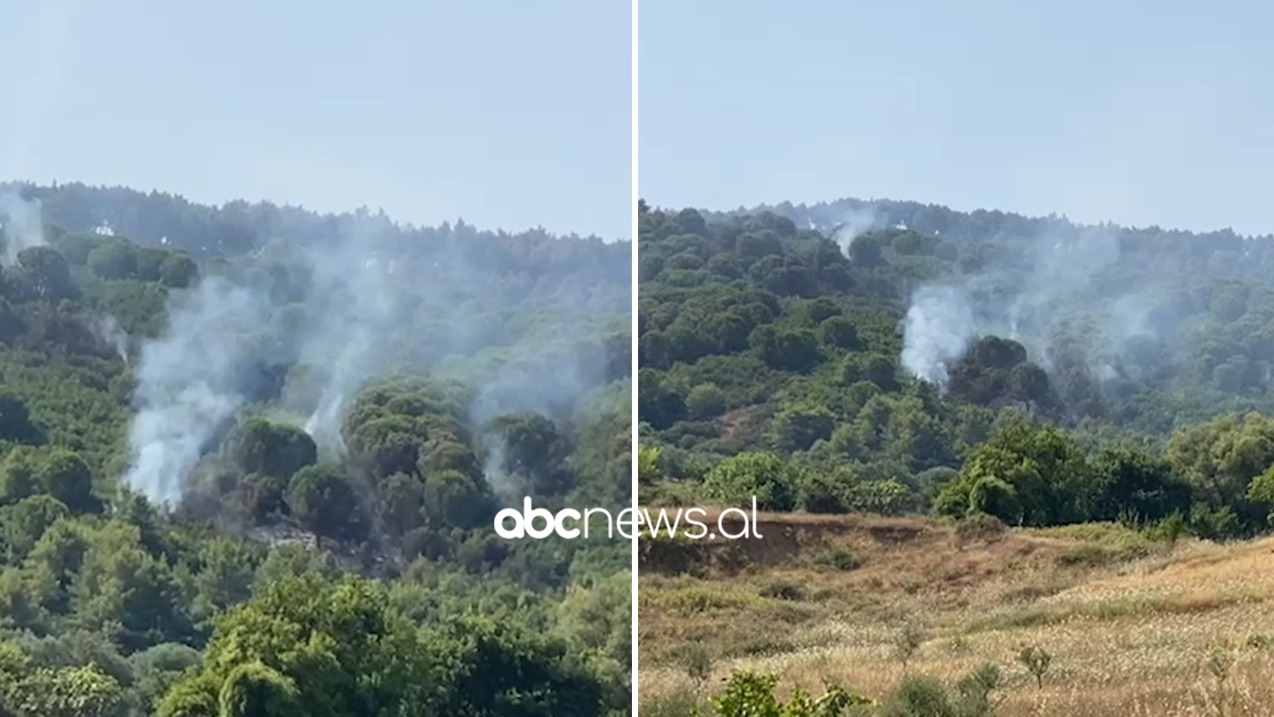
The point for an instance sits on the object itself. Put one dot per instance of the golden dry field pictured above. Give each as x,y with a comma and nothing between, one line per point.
1134,628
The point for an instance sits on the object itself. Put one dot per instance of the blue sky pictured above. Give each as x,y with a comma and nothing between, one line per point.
508,114
1137,112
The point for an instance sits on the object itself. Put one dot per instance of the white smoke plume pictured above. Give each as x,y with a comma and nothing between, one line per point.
340,311
189,384
855,223
1027,293
938,329
23,227
508,487
108,331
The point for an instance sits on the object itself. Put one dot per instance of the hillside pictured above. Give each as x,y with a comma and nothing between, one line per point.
915,363
1132,626
250,456
878,361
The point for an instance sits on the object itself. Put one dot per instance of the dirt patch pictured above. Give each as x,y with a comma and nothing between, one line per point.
791,540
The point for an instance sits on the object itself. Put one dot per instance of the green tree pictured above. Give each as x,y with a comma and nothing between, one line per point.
331,649
736,480
65,476
271,449
47,273
255,690
322,497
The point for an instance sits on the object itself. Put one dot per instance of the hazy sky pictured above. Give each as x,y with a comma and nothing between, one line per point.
508,114
1138,112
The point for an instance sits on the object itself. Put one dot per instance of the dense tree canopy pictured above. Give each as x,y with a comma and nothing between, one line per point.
304,572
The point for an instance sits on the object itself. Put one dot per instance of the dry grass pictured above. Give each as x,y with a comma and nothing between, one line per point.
1131,625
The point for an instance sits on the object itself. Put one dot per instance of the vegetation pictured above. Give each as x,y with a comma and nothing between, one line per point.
777,362
302,573
981,377
1094,619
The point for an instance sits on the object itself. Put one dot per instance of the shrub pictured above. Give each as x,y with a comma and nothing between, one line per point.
841,560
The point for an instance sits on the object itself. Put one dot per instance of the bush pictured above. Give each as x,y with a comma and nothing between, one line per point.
979,526
839,560
783,590
749,694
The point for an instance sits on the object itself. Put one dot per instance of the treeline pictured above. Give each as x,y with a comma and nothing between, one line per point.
297,577
524,266
1221,253
774,358
1216,481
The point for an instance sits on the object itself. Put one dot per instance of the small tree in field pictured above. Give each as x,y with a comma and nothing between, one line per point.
1036,661
697,662
907,643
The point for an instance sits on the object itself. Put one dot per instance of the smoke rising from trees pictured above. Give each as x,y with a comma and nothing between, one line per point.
23,228
1057,295
305,324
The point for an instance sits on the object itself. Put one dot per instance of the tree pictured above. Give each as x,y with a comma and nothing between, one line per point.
874,368
113,260
19,472
120,586
255,690
505,670
67,692
178,271
1138,484
385,444
839,332
323,499
1032,476
1261,491
736,480
908,642
456,500
648,470
15,420
1036,662
402,503
785,349
24,523
47,273
271,449
796,428
865,251
261,496
332,649
532,447
1222,457
705,402
65,476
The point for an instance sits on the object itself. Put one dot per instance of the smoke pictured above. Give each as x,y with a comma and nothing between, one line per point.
938,329
508,487
189,382
356,306
106,328
305,325
23,227
1056,294
855,223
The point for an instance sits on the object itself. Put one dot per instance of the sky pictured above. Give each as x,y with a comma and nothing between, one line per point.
507,114
1141,113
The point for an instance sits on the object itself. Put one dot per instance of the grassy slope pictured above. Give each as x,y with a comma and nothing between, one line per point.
1131,625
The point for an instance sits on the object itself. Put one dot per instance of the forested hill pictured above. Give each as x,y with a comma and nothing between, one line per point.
899,357
250,458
